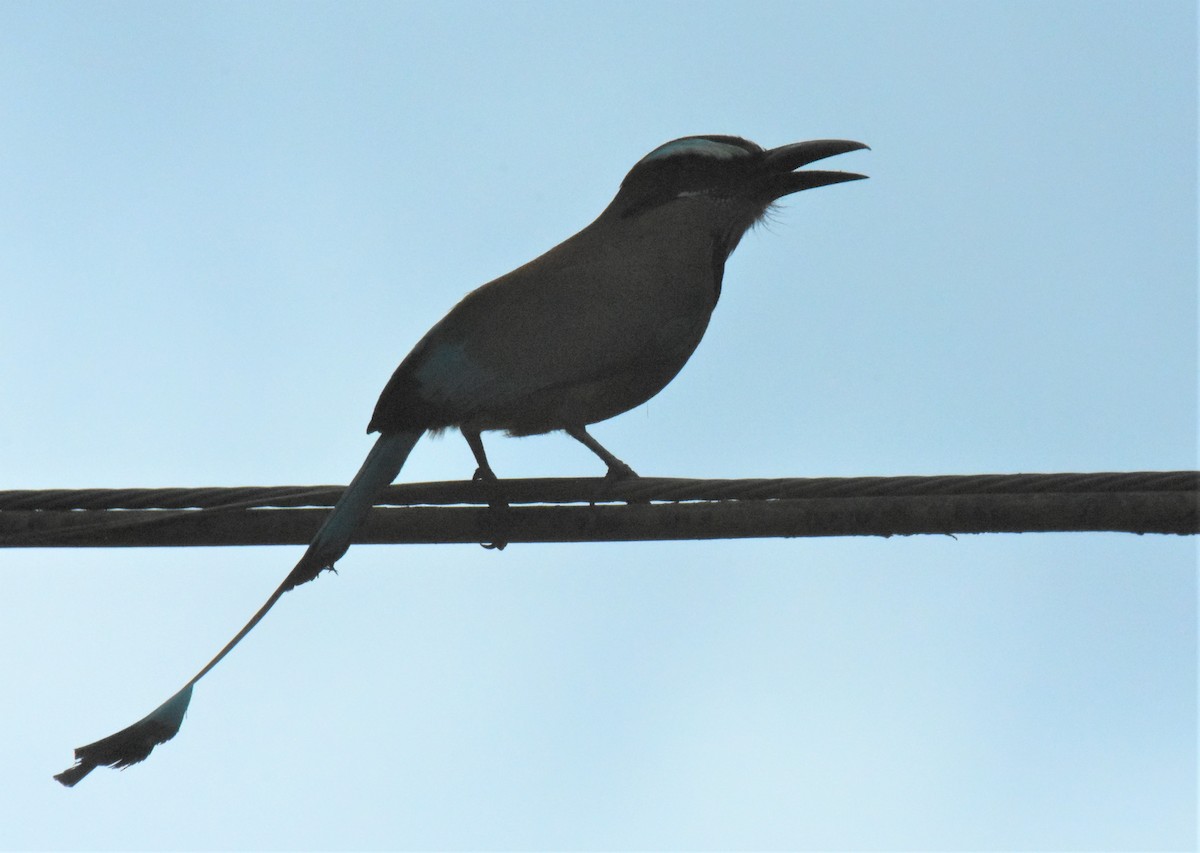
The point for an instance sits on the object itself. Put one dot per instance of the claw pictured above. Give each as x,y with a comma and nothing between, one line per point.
497,507
619,471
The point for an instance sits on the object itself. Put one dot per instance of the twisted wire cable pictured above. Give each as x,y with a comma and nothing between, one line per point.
544,510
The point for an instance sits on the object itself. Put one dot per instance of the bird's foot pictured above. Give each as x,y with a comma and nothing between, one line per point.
484,474
617,471
497,520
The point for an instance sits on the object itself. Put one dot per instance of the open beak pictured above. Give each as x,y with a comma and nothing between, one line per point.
780,179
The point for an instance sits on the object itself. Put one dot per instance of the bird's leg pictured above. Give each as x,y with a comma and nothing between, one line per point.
475,442
617,470
497,502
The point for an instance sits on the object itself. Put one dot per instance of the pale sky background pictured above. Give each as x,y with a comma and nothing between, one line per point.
222,225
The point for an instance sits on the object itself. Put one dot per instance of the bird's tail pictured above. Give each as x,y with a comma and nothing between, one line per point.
134,743
379,469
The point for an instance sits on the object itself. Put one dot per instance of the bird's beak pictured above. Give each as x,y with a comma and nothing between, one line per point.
780,179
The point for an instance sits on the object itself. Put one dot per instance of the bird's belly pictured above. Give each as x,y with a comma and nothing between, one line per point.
600,397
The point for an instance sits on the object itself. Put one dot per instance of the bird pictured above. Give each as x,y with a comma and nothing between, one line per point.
594,327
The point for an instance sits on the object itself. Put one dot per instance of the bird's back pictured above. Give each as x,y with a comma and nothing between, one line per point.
560,341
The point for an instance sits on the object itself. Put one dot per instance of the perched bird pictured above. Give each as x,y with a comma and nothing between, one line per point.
594,327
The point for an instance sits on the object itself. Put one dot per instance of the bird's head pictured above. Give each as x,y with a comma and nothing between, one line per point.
727,175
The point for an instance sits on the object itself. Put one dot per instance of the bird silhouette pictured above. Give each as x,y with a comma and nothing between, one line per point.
594,327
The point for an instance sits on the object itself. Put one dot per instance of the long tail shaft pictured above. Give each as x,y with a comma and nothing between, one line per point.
134,743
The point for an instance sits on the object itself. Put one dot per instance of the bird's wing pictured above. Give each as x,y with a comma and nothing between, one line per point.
547,326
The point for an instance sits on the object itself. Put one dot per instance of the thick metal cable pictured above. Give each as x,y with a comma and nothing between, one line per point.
1141,502
591,490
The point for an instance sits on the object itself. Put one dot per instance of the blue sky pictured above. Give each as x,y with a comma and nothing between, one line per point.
224,224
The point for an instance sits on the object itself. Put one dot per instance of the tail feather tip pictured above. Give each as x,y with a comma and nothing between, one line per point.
131,744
